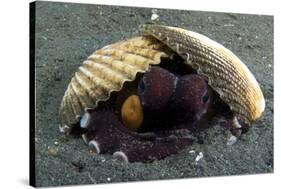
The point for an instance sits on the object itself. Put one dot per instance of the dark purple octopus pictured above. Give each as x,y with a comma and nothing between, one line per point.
181,101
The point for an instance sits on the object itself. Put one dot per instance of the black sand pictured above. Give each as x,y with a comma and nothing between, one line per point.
67,33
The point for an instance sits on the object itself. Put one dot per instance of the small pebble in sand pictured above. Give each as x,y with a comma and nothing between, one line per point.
232,140
53,151
191,151
199,156
154,17
228,25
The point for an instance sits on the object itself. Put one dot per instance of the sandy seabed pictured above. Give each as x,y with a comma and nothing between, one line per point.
67,33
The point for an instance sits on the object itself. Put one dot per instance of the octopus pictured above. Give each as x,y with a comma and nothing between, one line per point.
143,135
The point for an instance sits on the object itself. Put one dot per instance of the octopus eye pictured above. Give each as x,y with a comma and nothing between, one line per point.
205,98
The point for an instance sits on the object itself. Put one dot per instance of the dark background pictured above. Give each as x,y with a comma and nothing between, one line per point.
67,33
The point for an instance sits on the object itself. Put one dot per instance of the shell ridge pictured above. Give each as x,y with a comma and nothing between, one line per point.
81,93
116,64
76,106
70,114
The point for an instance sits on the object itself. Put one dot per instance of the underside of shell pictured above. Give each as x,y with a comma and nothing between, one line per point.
105,71
226,73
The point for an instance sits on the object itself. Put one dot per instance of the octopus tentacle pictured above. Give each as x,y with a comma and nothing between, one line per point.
148,151
106,133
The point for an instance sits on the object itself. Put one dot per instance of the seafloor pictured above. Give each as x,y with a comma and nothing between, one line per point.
67,33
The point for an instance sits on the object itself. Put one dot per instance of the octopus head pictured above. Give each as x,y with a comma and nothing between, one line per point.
191,98
155,88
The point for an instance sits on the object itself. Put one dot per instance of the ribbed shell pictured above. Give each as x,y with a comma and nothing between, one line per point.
105,71
227,74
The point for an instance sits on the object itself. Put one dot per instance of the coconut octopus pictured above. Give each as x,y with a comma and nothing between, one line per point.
132,99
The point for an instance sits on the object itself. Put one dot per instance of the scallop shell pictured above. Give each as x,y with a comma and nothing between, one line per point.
226,73
105,71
